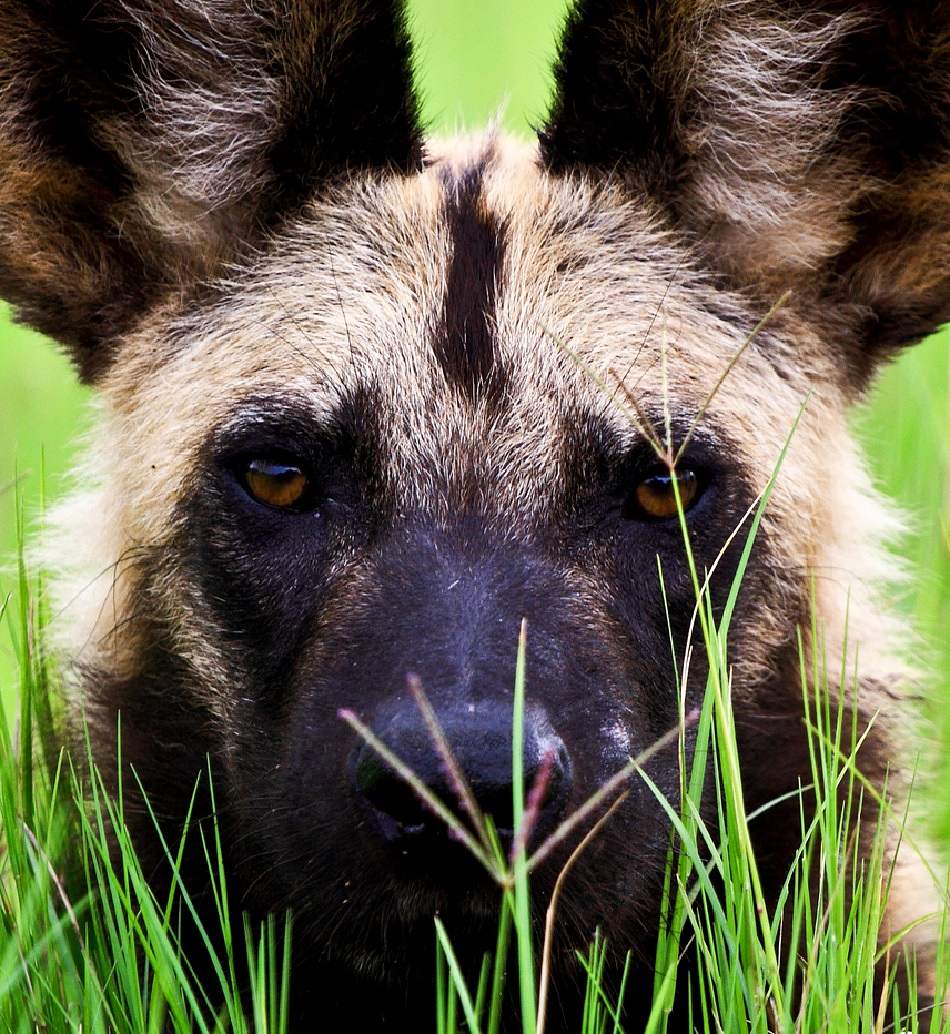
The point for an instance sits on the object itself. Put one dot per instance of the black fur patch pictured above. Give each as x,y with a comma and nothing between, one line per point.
465,340
370,120
610,109
84,69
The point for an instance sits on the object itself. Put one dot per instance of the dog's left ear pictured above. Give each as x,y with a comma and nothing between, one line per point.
799,144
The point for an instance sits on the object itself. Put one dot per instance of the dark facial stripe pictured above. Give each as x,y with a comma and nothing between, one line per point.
464,340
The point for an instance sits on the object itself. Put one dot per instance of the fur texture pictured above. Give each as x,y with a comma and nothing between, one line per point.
795,143
225,211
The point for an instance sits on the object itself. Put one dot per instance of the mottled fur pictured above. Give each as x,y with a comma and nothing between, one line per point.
234,227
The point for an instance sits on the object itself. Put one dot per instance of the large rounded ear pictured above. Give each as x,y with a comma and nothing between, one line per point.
144,142
799,144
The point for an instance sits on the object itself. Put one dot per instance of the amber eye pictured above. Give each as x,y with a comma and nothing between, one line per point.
276,484
655,496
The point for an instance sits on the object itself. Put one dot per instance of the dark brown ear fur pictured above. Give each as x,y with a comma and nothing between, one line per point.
799,143
142,142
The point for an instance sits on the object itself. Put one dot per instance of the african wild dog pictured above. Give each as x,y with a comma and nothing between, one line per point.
348,428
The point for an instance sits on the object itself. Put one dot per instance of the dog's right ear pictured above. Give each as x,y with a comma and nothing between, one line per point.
145,142
800,144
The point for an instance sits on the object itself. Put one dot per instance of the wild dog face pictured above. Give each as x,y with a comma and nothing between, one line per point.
367,403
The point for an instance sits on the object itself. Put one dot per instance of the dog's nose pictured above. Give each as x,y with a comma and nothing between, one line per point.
480,738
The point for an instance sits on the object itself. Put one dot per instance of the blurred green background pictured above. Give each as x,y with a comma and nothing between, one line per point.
474,61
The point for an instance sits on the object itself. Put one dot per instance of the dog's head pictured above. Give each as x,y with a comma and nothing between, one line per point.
369,401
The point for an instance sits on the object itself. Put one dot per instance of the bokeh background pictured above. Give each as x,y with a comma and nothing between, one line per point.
491,59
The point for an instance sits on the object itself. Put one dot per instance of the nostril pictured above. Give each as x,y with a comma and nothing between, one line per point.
389,794
495,800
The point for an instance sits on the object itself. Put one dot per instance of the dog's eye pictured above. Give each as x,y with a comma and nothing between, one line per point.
282,485
654,498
